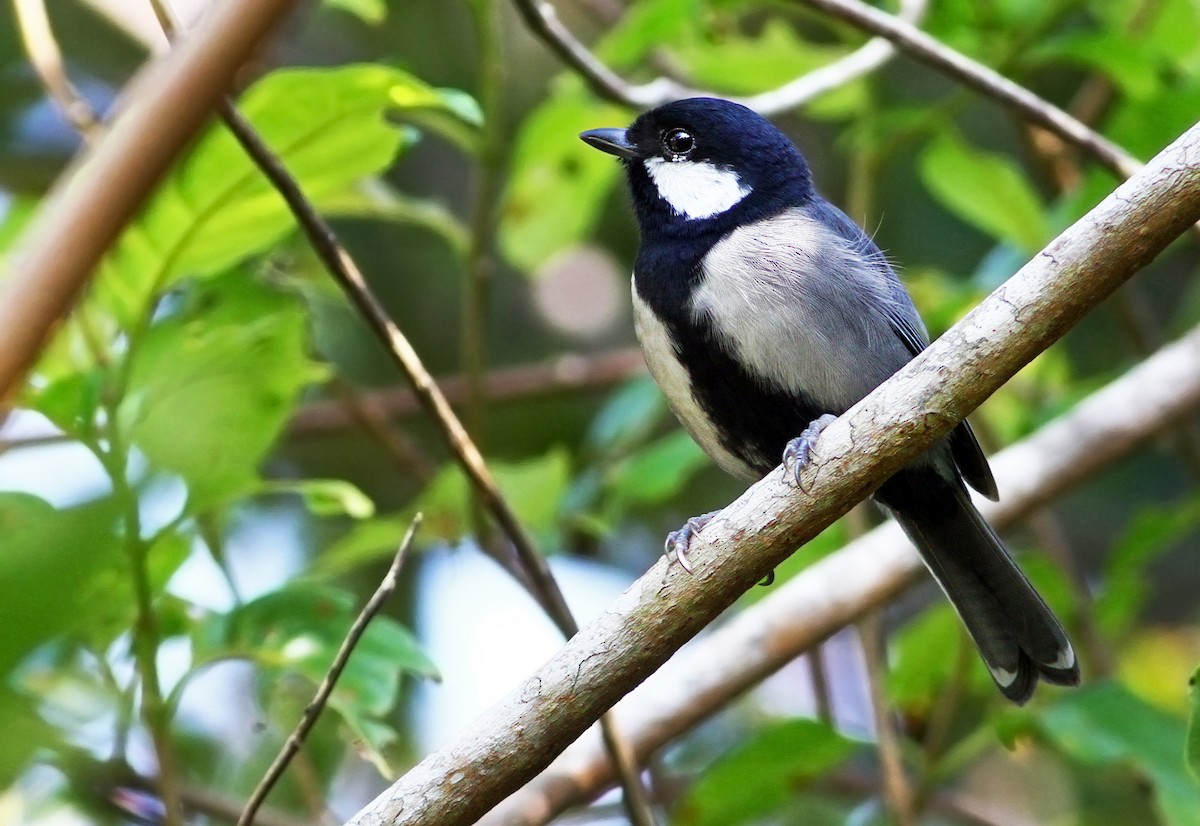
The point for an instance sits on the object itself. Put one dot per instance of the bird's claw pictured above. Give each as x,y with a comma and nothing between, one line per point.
678,541
798,452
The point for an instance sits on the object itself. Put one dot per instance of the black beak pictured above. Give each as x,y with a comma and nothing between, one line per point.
613,141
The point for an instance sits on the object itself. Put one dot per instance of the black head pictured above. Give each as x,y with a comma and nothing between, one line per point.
701,164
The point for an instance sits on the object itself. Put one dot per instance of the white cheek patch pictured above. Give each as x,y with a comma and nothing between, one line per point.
696,190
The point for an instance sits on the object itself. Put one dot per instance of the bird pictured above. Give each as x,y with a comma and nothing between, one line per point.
764,312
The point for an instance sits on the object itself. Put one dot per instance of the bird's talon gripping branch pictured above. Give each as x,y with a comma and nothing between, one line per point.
679,541
798,452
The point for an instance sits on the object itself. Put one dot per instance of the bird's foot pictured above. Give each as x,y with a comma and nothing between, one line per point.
798,452
678,541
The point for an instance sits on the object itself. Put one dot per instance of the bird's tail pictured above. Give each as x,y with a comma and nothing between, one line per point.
1018,636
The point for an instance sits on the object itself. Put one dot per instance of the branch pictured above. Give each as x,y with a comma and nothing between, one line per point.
165,105
930,51
313,710
555,375
891,32
1099,430
515,739
542,20
38,40
566,372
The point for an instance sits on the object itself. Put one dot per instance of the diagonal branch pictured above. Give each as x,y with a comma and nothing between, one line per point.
164,107
515,739
932,52
542,19
1099,430
891,32
312,711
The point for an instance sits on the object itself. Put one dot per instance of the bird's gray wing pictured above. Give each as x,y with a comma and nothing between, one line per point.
905,322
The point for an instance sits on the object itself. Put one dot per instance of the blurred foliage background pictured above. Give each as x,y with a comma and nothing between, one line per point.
212,464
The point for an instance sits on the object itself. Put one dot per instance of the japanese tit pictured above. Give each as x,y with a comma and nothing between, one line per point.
763,312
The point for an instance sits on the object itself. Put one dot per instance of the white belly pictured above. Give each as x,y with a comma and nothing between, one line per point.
672,378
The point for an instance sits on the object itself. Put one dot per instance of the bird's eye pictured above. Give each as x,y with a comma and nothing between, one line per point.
679,142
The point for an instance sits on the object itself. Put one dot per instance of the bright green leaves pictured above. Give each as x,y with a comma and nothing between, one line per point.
212,384
50,564
533,488
1105,725
185,362
329,128
298,630
986,190
559,183
369,11
657,472
50,560
761,775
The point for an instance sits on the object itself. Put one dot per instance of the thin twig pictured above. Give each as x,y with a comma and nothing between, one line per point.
369,415
1047,529
531,569
957,806
42,48
896,790
339,263
560,374
313,711
1146,336
818,673
542,19
932,52
205,802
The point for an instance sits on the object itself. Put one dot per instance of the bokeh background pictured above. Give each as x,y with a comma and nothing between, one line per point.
216,447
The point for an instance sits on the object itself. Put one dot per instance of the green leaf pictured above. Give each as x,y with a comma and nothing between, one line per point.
327,497
1145,125
657,472
1193,736
329,127
742,65
25,734
299,628
369,11
1105,724
1174,32
51,559
534,489
760,776
366,542
925,654
1129,62
111,594
628,417
558,183
986,190
650,25
213,384
1152,531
